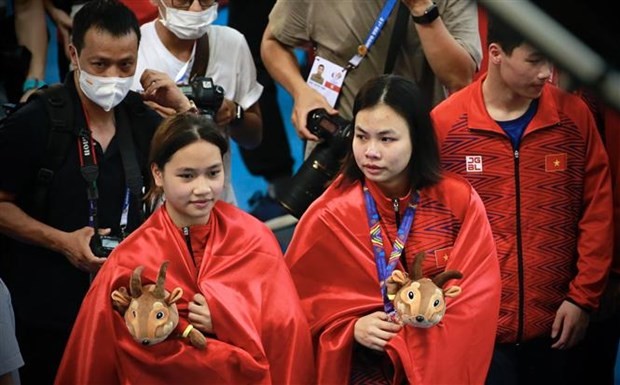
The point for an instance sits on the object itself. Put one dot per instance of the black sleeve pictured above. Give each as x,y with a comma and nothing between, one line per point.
23,137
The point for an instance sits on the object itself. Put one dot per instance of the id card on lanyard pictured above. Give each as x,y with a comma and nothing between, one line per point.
327,77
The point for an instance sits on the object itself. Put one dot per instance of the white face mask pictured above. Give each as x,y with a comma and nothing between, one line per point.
106,92
188,25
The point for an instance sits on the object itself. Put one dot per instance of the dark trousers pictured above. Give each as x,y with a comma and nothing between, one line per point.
532,362
594,359
42,350
272,158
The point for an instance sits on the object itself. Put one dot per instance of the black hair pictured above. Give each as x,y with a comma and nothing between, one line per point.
404,97
502,34
110,16
176,132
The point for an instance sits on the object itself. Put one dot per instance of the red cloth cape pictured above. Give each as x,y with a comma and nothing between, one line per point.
262,336
333,267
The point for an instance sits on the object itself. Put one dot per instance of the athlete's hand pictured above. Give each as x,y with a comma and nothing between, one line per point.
200,315
374,330
569,326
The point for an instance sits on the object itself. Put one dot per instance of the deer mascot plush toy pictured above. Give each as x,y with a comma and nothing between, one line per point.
419,301
150,311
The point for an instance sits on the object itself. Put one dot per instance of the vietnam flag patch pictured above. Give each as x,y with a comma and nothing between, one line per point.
555,162
442,256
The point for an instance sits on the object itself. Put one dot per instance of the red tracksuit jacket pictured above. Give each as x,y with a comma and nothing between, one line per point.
549,202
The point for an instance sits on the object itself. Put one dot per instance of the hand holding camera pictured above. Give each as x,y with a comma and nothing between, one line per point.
75,246
207,96
306,101
161,93
102,245
322,164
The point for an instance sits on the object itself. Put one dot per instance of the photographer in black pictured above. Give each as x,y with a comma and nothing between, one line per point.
72,165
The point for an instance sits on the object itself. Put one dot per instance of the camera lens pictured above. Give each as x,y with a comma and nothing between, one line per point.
311,179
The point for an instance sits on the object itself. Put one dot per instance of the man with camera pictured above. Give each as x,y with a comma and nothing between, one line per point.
72,162
438,47
435,44
182,45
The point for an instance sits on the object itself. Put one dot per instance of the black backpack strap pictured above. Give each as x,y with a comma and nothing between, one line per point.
57,103
398,37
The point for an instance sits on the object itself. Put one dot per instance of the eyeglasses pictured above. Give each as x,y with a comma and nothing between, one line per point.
185,4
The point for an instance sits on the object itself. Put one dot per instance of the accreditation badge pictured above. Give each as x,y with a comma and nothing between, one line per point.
326,78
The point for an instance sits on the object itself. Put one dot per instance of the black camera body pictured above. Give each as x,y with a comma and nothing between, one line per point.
207,96
102,245
322,164
327,127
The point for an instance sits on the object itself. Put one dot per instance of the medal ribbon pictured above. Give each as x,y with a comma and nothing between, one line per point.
385,268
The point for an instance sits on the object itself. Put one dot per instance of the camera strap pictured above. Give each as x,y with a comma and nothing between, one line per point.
90,172
201,58
398,37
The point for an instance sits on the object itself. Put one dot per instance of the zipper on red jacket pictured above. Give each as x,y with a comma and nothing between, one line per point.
396,206
519,249
188,241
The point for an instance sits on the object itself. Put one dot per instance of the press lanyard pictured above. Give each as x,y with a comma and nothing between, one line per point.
90,172
374,33
385,269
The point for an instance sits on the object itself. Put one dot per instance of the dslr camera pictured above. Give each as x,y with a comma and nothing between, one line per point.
207,96
322,164
102,245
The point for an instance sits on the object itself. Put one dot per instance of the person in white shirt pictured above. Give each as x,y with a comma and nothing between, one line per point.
168,51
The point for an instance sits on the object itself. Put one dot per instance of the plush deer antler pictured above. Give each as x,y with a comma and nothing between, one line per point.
150,311
419,301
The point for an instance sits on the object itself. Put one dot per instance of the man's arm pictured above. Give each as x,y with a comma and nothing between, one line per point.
162,94
15,223
282,65
449,60
248,132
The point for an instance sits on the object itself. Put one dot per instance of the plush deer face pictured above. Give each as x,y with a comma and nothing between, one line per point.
420,302
150,312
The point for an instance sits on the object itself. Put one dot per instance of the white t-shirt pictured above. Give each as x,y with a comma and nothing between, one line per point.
230,66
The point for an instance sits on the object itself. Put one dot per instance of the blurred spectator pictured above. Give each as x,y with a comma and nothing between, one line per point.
272,159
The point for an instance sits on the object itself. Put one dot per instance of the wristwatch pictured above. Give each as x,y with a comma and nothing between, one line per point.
238,113
429,15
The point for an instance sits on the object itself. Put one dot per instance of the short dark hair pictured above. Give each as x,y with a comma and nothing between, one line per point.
404,97
499,32
176,132
110,16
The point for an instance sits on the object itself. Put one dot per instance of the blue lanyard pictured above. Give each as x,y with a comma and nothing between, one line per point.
385,269
374,33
